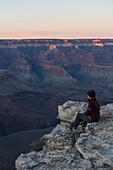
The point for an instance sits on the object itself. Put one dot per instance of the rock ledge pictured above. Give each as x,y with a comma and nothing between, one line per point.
88,147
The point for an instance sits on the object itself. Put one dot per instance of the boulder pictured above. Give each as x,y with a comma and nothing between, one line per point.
89,147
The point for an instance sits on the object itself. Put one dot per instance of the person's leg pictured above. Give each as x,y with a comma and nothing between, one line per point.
80,117
76,121
85,117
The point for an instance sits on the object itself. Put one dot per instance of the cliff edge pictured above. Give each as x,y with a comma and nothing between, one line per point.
89,147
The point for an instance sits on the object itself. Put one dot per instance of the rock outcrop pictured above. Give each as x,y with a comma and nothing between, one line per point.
88,147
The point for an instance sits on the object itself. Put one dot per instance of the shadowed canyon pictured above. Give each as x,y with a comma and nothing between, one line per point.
36,75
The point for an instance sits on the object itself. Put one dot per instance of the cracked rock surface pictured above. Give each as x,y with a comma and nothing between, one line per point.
89,147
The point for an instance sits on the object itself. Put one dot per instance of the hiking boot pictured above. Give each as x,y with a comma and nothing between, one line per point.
71,128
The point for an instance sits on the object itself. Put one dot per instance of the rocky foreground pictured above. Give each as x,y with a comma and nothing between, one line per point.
88,147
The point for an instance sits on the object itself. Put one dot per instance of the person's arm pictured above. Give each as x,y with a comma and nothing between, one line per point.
89,109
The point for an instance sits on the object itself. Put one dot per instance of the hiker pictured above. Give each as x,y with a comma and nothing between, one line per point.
93,111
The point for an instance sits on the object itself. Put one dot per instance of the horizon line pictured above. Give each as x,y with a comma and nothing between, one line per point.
55,38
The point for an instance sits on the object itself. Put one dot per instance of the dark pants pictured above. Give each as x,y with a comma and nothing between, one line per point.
80,117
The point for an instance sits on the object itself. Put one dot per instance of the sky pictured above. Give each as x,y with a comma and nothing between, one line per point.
67,19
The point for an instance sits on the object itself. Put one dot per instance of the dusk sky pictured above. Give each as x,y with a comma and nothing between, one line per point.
56,19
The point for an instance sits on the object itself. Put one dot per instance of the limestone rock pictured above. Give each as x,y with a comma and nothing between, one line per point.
68,111
97,143
106,110
89,147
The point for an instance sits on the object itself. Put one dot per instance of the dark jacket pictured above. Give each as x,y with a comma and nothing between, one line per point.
93,110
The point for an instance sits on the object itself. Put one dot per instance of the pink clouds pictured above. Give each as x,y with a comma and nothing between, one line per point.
21,34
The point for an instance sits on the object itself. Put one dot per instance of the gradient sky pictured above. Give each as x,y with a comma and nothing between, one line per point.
56,19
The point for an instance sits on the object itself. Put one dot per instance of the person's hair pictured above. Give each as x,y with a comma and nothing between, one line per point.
91,93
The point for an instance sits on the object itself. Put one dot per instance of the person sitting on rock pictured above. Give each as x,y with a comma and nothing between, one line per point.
93,111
